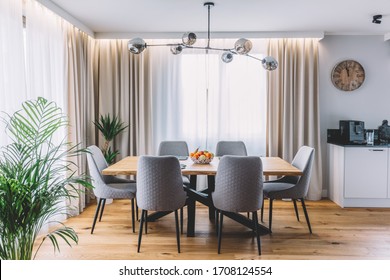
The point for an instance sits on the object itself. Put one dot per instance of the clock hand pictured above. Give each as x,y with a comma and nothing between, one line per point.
346,68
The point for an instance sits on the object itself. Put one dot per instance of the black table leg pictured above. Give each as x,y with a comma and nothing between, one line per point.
157,215
210,189
191,209
205,198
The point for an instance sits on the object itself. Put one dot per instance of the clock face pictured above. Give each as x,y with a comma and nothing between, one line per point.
348,75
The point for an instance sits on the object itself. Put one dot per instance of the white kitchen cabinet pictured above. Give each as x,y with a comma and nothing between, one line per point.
358,176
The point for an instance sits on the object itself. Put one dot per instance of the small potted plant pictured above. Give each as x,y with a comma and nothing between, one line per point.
110,128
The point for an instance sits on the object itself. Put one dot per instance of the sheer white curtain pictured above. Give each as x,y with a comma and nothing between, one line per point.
32,60
168,107
32,66
45,54
12,75
45,60
200,99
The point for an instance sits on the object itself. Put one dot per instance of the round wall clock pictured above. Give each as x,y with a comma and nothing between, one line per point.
348,75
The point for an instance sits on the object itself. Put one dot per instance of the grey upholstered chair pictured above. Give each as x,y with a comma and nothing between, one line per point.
292,187
238,188
174,148
233,148
159,188
178,149
107,187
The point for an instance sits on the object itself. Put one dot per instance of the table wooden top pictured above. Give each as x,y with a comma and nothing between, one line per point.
271,166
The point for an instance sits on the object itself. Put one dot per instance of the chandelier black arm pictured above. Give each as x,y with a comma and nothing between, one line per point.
251,56
163,45
191,47
210,48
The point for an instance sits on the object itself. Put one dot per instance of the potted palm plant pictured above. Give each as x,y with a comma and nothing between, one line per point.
36,175
109,127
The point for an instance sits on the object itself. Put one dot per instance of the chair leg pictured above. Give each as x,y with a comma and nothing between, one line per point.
216,221
220,231
262,212
254,229
136,209
143,218
181,220
177,231
296,208
101,213
96,214
306,215
146,222
256,223
132,215
270,215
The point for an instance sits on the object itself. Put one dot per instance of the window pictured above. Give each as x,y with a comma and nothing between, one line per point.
200,99
223,101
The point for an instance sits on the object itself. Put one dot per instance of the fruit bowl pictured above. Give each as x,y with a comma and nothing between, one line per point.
202,157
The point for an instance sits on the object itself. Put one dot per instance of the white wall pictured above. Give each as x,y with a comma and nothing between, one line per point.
371,102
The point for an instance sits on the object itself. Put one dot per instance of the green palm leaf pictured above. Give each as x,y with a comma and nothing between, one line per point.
37,174
109,127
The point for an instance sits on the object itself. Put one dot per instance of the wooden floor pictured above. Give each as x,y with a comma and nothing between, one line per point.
351,233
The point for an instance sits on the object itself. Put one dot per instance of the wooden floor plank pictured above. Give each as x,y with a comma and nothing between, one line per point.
350,233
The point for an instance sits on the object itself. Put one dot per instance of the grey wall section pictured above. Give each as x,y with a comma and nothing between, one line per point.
371,102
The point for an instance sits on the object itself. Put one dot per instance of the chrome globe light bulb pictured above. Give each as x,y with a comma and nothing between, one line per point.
136,45
227,57
269,63
176,49
243,46
189,38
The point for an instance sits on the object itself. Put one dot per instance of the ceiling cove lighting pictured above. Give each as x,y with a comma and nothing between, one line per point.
241,47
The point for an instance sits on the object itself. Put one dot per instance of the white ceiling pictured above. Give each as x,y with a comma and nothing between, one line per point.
106,17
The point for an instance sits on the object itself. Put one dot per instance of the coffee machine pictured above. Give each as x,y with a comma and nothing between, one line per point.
351,132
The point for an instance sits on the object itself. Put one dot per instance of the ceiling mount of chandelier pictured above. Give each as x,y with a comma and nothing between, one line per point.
241,47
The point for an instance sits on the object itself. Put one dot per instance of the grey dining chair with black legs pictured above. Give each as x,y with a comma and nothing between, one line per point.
231,148
108,187
238,188
159,188
292,187
173,148
180,150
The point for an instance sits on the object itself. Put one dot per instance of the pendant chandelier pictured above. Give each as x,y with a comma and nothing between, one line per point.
241,47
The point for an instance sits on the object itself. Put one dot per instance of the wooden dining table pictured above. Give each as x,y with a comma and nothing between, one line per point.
272,166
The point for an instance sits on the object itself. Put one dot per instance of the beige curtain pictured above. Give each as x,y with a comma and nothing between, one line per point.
293,104
123,89
80,95
102,77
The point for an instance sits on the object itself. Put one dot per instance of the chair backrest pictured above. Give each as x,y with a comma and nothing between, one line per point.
173,148
303,160
239,184
233,148
159,183
96,163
